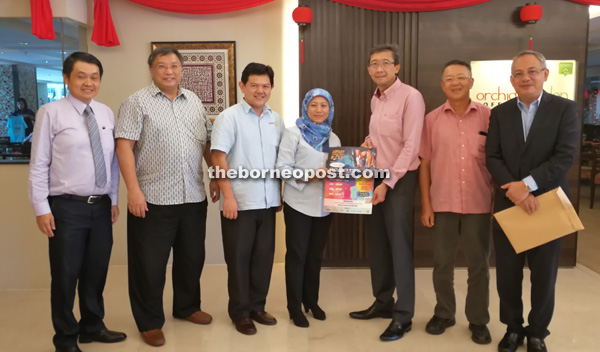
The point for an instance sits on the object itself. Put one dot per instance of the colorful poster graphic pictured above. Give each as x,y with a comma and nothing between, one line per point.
349,195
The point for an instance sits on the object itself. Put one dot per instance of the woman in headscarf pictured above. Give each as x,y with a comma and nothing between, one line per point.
305,147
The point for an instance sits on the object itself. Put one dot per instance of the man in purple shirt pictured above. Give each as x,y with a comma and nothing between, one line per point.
395,131
73,186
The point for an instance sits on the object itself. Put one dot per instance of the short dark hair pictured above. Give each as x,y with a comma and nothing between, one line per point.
457,62
80,56
22,100
162,51
254,68
387,47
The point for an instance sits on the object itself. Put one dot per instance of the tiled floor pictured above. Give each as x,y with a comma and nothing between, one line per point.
588,245
25,318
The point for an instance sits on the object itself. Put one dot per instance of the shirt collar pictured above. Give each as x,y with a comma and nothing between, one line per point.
248,108
154,90
390,91
536,103
78,104
471,106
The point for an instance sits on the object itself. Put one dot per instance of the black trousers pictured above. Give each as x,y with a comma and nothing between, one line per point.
390,247
543,264
305,239
249,247
79,257
181,227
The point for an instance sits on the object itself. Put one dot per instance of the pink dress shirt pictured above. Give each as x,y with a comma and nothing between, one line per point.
460,181
395,129
61,153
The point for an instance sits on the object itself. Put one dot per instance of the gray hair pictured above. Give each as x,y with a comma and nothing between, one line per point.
538,55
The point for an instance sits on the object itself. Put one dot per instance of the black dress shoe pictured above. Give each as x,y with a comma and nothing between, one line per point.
374,312
480,334
263,318
317,312
437,325
510,342
69,349
104,335
245,326
535,344
395,331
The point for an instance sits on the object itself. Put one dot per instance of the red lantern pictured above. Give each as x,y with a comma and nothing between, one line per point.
302,16
531,13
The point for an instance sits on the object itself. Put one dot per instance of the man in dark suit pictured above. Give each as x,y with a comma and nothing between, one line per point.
531,144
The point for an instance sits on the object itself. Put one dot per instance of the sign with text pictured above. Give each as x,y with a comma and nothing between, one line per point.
492,80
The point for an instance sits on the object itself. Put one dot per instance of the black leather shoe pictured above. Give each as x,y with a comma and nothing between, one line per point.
374,312
263,318
510,342
535,344
245,326
480,334
395,331
437,325
69,349
104,335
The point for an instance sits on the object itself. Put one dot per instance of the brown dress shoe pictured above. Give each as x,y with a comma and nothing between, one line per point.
263,318
200,317
245,326
153,337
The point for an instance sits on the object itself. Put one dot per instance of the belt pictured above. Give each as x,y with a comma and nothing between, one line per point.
87,199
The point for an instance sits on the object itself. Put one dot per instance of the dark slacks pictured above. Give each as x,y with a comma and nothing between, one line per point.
475,232
249,247
79,257
543,265
390,247
181,227
305,239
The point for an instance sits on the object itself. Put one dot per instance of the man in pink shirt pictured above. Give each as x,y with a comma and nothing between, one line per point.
395,132
456,198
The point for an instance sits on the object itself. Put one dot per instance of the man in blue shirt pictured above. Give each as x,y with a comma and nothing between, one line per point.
247,136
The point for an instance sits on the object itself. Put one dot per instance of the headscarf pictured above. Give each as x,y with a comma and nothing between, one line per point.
315,134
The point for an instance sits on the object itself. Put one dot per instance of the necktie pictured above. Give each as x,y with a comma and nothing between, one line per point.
97,153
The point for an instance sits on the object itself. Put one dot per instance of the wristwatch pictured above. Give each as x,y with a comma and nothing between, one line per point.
527,187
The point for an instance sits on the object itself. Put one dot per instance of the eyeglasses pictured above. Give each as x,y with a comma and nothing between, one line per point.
163,68
450,79
385,64
531,73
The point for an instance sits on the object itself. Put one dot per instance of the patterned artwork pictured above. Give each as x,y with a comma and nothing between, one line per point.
7,97
209,71
28,86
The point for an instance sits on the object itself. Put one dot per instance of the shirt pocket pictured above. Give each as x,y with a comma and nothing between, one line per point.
390,126
478,149
107,137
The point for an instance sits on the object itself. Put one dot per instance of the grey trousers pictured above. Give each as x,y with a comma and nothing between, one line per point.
390,246
475,232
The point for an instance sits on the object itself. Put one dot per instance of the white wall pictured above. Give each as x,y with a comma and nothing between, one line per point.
258,33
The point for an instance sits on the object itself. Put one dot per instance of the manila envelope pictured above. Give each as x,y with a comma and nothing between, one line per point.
555,218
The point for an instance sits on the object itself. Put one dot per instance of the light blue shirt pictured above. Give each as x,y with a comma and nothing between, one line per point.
527,115
251,142
296,153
